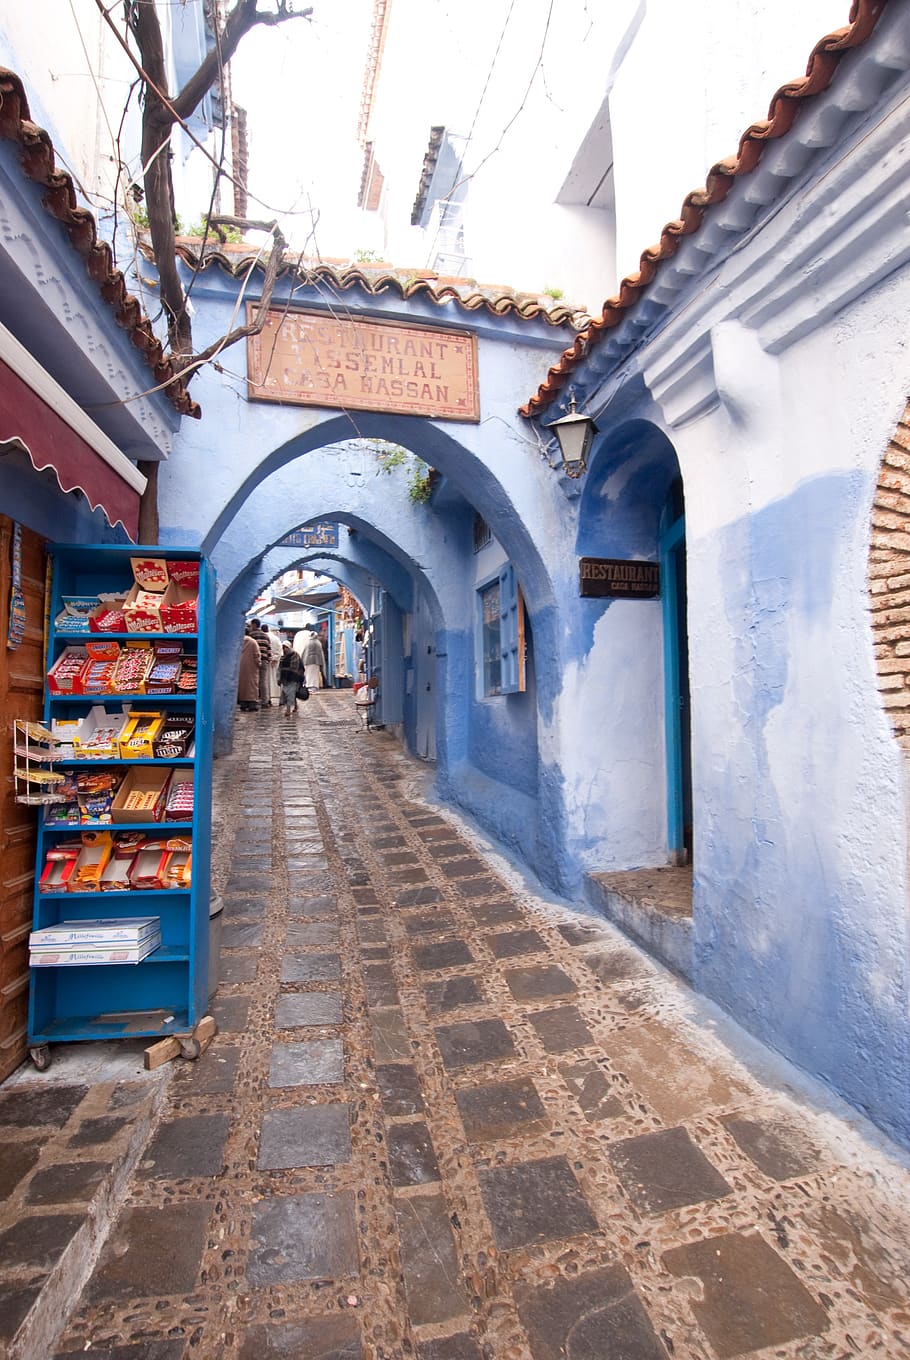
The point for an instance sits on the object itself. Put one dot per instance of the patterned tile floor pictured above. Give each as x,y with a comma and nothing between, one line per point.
450,1119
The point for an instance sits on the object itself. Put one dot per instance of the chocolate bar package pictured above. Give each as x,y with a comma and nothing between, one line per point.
174,739
180,798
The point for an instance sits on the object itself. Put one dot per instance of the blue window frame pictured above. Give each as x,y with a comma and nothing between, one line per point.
490,639
502,634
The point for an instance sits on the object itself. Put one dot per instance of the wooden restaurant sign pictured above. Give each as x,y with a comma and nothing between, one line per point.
613,577
313,359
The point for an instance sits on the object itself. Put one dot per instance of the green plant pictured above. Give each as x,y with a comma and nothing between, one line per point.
554,293
420,483
390,456
233,234
366,257
420,477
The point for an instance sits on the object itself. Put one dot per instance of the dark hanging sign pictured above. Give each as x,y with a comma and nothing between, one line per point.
612,577
311,536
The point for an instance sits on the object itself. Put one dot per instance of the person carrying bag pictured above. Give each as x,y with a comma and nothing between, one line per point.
290,680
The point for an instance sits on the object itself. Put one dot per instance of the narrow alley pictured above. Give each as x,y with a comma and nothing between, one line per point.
446,1118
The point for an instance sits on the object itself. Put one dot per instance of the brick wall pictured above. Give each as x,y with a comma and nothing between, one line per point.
889,579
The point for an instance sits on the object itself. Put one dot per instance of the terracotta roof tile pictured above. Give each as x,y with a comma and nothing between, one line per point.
785,106
38,162
430,160
378,30
377,278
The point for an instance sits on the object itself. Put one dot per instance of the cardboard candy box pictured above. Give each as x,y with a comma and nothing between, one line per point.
98,673
133,667
138,736
150,573
98,737
65,676
63,814
116,876
178,869
95,792
173,741
59,865
142,609
179,609
180,797
188,675
165,670
142,797
185,575
74,616
97,848
64,730
108,617
149,866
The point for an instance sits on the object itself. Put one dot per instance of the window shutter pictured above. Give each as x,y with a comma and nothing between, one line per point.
511,631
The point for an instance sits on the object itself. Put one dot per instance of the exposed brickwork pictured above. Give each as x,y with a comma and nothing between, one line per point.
889,579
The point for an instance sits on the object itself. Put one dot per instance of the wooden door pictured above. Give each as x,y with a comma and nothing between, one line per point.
21,696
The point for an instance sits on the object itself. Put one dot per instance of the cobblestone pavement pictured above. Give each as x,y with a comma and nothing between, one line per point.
447,1118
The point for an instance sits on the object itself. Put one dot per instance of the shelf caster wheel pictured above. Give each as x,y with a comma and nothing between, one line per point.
41,1056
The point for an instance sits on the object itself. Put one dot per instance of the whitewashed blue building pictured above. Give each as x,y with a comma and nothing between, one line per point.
737,719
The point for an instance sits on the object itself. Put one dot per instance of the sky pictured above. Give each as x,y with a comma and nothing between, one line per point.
301,85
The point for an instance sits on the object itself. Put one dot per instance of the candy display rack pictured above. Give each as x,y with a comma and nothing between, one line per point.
101,638
35,751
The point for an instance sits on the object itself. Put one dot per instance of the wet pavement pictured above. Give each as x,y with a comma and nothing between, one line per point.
445,1117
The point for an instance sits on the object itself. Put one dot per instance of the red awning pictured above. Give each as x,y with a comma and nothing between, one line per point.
50,442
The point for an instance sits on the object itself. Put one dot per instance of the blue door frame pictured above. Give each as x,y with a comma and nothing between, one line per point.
676,685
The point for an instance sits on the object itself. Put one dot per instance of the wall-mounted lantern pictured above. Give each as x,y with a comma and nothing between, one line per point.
575,434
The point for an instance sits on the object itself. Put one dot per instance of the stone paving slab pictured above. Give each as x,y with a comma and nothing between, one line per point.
518,1139
302,1237
153,1251
311,1062
585,1317
432,1280
534,1202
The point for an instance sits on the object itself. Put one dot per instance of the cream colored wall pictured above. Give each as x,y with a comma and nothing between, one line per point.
684,81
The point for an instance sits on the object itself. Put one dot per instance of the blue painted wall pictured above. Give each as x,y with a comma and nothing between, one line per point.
779,939
797,929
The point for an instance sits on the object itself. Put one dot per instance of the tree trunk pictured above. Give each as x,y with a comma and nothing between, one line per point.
148,503
157,125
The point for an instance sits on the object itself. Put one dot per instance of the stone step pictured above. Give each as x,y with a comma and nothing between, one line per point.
69,1142
654,906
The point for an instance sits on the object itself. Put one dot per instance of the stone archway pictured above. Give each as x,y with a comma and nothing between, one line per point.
251,471
426,548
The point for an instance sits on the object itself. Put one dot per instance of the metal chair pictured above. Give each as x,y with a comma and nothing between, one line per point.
365,702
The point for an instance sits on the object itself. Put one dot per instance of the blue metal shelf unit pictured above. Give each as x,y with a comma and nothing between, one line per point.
167,992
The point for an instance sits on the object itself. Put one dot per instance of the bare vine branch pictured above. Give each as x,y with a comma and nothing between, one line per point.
273,265
162,111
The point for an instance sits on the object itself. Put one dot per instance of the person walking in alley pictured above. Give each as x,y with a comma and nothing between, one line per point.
313,659
290,675
275,653
260,637
248,683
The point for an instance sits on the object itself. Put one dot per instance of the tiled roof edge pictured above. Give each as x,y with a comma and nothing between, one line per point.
39,164
785,105
376,279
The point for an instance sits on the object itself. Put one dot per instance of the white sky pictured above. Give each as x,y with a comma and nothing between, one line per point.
301,85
